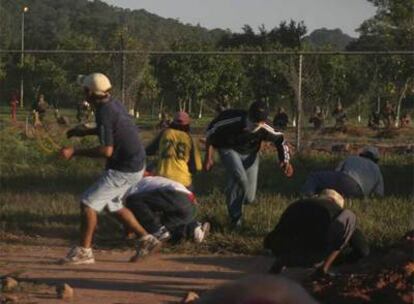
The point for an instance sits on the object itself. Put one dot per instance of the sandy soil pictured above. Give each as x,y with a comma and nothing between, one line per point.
158,279
382,278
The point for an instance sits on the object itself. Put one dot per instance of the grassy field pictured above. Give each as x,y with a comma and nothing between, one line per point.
39,193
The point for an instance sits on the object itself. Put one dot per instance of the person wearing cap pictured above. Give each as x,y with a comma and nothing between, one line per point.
163,207
178,154
237,135
121,146
356,176
314,231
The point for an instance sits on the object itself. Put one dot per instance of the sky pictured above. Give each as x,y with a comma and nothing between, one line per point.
233,14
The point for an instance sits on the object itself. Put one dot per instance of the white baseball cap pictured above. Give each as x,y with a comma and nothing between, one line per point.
334,196
98,83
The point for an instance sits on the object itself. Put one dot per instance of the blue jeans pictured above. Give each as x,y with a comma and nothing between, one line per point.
242,170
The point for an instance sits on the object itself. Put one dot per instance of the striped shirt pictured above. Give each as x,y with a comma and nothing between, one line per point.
232,130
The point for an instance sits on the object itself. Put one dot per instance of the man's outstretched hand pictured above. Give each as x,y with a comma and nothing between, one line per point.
208,164
287,169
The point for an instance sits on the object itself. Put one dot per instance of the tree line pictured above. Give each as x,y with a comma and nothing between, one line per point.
199,83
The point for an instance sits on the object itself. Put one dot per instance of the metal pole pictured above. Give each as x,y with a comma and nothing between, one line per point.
123,69
22,61
299,107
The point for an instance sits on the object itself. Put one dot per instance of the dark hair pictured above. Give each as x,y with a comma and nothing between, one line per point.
258,111
370,156
184,128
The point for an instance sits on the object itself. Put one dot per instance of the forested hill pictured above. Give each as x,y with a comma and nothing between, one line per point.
323,37
89,24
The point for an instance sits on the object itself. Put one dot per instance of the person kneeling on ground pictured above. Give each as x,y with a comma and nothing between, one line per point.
166,209
356,176
314,231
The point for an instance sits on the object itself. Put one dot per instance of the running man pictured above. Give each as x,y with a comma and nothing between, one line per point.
121,147
237,135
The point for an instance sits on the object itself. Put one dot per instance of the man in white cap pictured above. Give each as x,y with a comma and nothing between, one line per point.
314,231
356,176
125,164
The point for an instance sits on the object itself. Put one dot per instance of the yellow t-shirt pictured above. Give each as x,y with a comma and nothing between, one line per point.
177,152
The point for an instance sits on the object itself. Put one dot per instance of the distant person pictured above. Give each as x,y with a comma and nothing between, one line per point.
356,176
40,107
14,102
83,111
178,154
165,121
374,120
340,117
254,289
281,119
313,232
61,119
220,107
166,209
388,115
405,121
120,145
237,135
317,118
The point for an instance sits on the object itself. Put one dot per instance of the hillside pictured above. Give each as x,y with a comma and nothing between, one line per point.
324,37
49,23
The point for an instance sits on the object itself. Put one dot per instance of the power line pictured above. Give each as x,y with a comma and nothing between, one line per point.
173,53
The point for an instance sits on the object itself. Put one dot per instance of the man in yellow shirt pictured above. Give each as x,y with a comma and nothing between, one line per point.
178,155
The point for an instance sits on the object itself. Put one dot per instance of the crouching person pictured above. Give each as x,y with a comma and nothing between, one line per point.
166,209
313,232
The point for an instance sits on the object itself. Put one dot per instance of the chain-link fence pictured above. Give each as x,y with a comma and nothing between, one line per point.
313,89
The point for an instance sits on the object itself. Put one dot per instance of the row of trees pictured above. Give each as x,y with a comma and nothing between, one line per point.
200,82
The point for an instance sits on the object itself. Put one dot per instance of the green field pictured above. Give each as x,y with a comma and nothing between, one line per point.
39,193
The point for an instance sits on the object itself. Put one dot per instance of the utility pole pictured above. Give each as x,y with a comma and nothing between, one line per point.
123,68
299,107
25,9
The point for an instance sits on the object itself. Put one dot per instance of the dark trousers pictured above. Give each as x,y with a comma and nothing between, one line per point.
155,209
338,181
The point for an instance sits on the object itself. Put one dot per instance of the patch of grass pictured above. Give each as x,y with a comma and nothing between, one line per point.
39,196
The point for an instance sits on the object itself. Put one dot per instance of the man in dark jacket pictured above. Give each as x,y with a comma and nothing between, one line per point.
315,230
237,135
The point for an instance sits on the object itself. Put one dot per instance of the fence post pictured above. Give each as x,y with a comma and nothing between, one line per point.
299,107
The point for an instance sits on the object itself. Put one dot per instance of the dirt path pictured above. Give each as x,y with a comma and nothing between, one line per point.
158,279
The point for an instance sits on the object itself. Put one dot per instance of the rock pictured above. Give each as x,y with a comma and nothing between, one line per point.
6,298
64,292
9,284
190,298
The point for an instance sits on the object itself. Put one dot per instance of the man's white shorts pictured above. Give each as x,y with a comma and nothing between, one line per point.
110,189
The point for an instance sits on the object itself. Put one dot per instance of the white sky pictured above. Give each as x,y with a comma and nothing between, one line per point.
233,14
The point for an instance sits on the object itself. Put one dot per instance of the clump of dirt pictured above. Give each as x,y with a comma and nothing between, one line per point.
384,278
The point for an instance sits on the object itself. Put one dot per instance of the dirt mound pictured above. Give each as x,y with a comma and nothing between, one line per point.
384,278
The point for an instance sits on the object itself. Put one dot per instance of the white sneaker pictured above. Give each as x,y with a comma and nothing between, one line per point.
79,255
162,234
201,232
146,245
